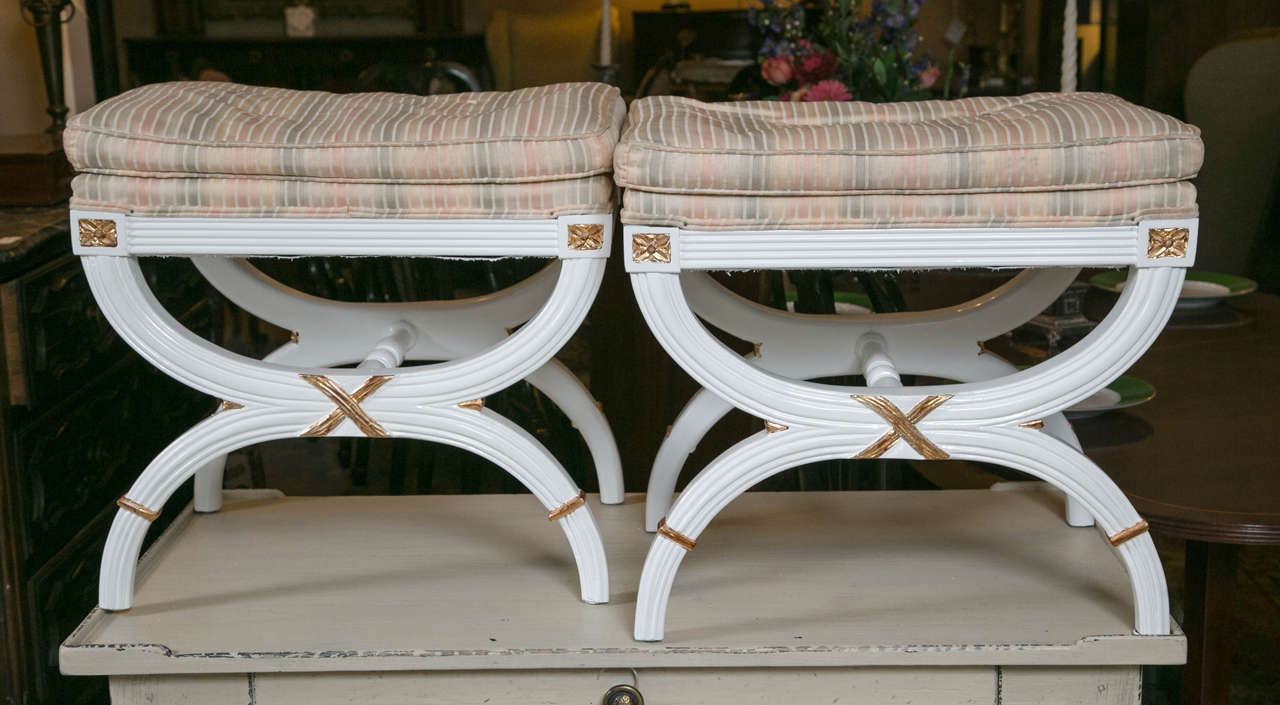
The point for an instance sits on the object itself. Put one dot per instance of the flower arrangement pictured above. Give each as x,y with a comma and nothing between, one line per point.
849,54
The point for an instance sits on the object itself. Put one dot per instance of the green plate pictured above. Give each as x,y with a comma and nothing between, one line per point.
1201,288
1124,392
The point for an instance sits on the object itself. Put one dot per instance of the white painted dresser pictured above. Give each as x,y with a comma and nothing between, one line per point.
938,598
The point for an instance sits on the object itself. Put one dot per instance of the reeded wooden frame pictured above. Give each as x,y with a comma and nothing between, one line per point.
298,390
996,413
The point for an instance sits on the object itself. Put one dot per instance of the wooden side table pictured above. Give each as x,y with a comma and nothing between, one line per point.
1207,473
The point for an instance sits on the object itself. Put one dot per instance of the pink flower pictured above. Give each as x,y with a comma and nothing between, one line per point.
816,67
827,90
929,77
776,70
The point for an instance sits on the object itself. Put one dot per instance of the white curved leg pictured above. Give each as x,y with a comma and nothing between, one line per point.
132,309
1069,470
697,417
555,380
482,432
990,366
1077,514
801,347
1027,395
764,455
1057,426
448,330
808,347
340,330
566,391
795,345
208,485
729,475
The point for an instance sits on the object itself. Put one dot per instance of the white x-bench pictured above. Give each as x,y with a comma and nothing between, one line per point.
219,172
1045,182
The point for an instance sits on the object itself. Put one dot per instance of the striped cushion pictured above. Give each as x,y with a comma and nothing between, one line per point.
297,198
1102,207
227,149
976,161
194,129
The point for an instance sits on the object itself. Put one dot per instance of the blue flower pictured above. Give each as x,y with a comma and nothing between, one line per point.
775,47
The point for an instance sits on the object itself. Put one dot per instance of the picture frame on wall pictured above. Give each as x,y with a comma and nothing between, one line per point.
252,18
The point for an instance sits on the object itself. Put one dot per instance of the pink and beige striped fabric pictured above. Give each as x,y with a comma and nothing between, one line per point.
299,198
219,149
1035,160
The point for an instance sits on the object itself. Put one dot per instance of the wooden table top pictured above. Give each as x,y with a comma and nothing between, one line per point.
447,582
1202,460
26,228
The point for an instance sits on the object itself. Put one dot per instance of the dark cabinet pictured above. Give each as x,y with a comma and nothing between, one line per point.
80,416
337,64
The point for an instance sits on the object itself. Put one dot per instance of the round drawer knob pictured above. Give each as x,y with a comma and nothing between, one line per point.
622,695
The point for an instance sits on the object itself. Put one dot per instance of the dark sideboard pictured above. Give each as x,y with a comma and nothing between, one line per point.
80,416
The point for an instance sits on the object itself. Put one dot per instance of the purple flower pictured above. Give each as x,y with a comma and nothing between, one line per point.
914,70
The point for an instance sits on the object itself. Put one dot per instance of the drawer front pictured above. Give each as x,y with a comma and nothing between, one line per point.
54,333
977,685
78,458
766,686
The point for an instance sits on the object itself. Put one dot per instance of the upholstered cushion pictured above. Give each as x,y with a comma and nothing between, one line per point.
1092,159
1027,209
296,198
1043,141
207,129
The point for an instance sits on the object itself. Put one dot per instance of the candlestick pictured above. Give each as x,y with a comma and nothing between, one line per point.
47,17
606,36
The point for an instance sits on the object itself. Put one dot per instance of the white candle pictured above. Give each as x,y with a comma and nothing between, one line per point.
606,36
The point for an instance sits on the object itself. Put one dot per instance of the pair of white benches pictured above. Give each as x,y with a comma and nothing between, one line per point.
1048,182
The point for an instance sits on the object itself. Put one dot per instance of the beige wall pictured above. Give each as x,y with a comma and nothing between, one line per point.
21,82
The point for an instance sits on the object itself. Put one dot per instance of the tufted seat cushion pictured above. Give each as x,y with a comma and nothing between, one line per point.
1034,160
213,149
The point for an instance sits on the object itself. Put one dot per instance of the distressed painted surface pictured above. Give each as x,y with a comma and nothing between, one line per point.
1101,685
485,582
